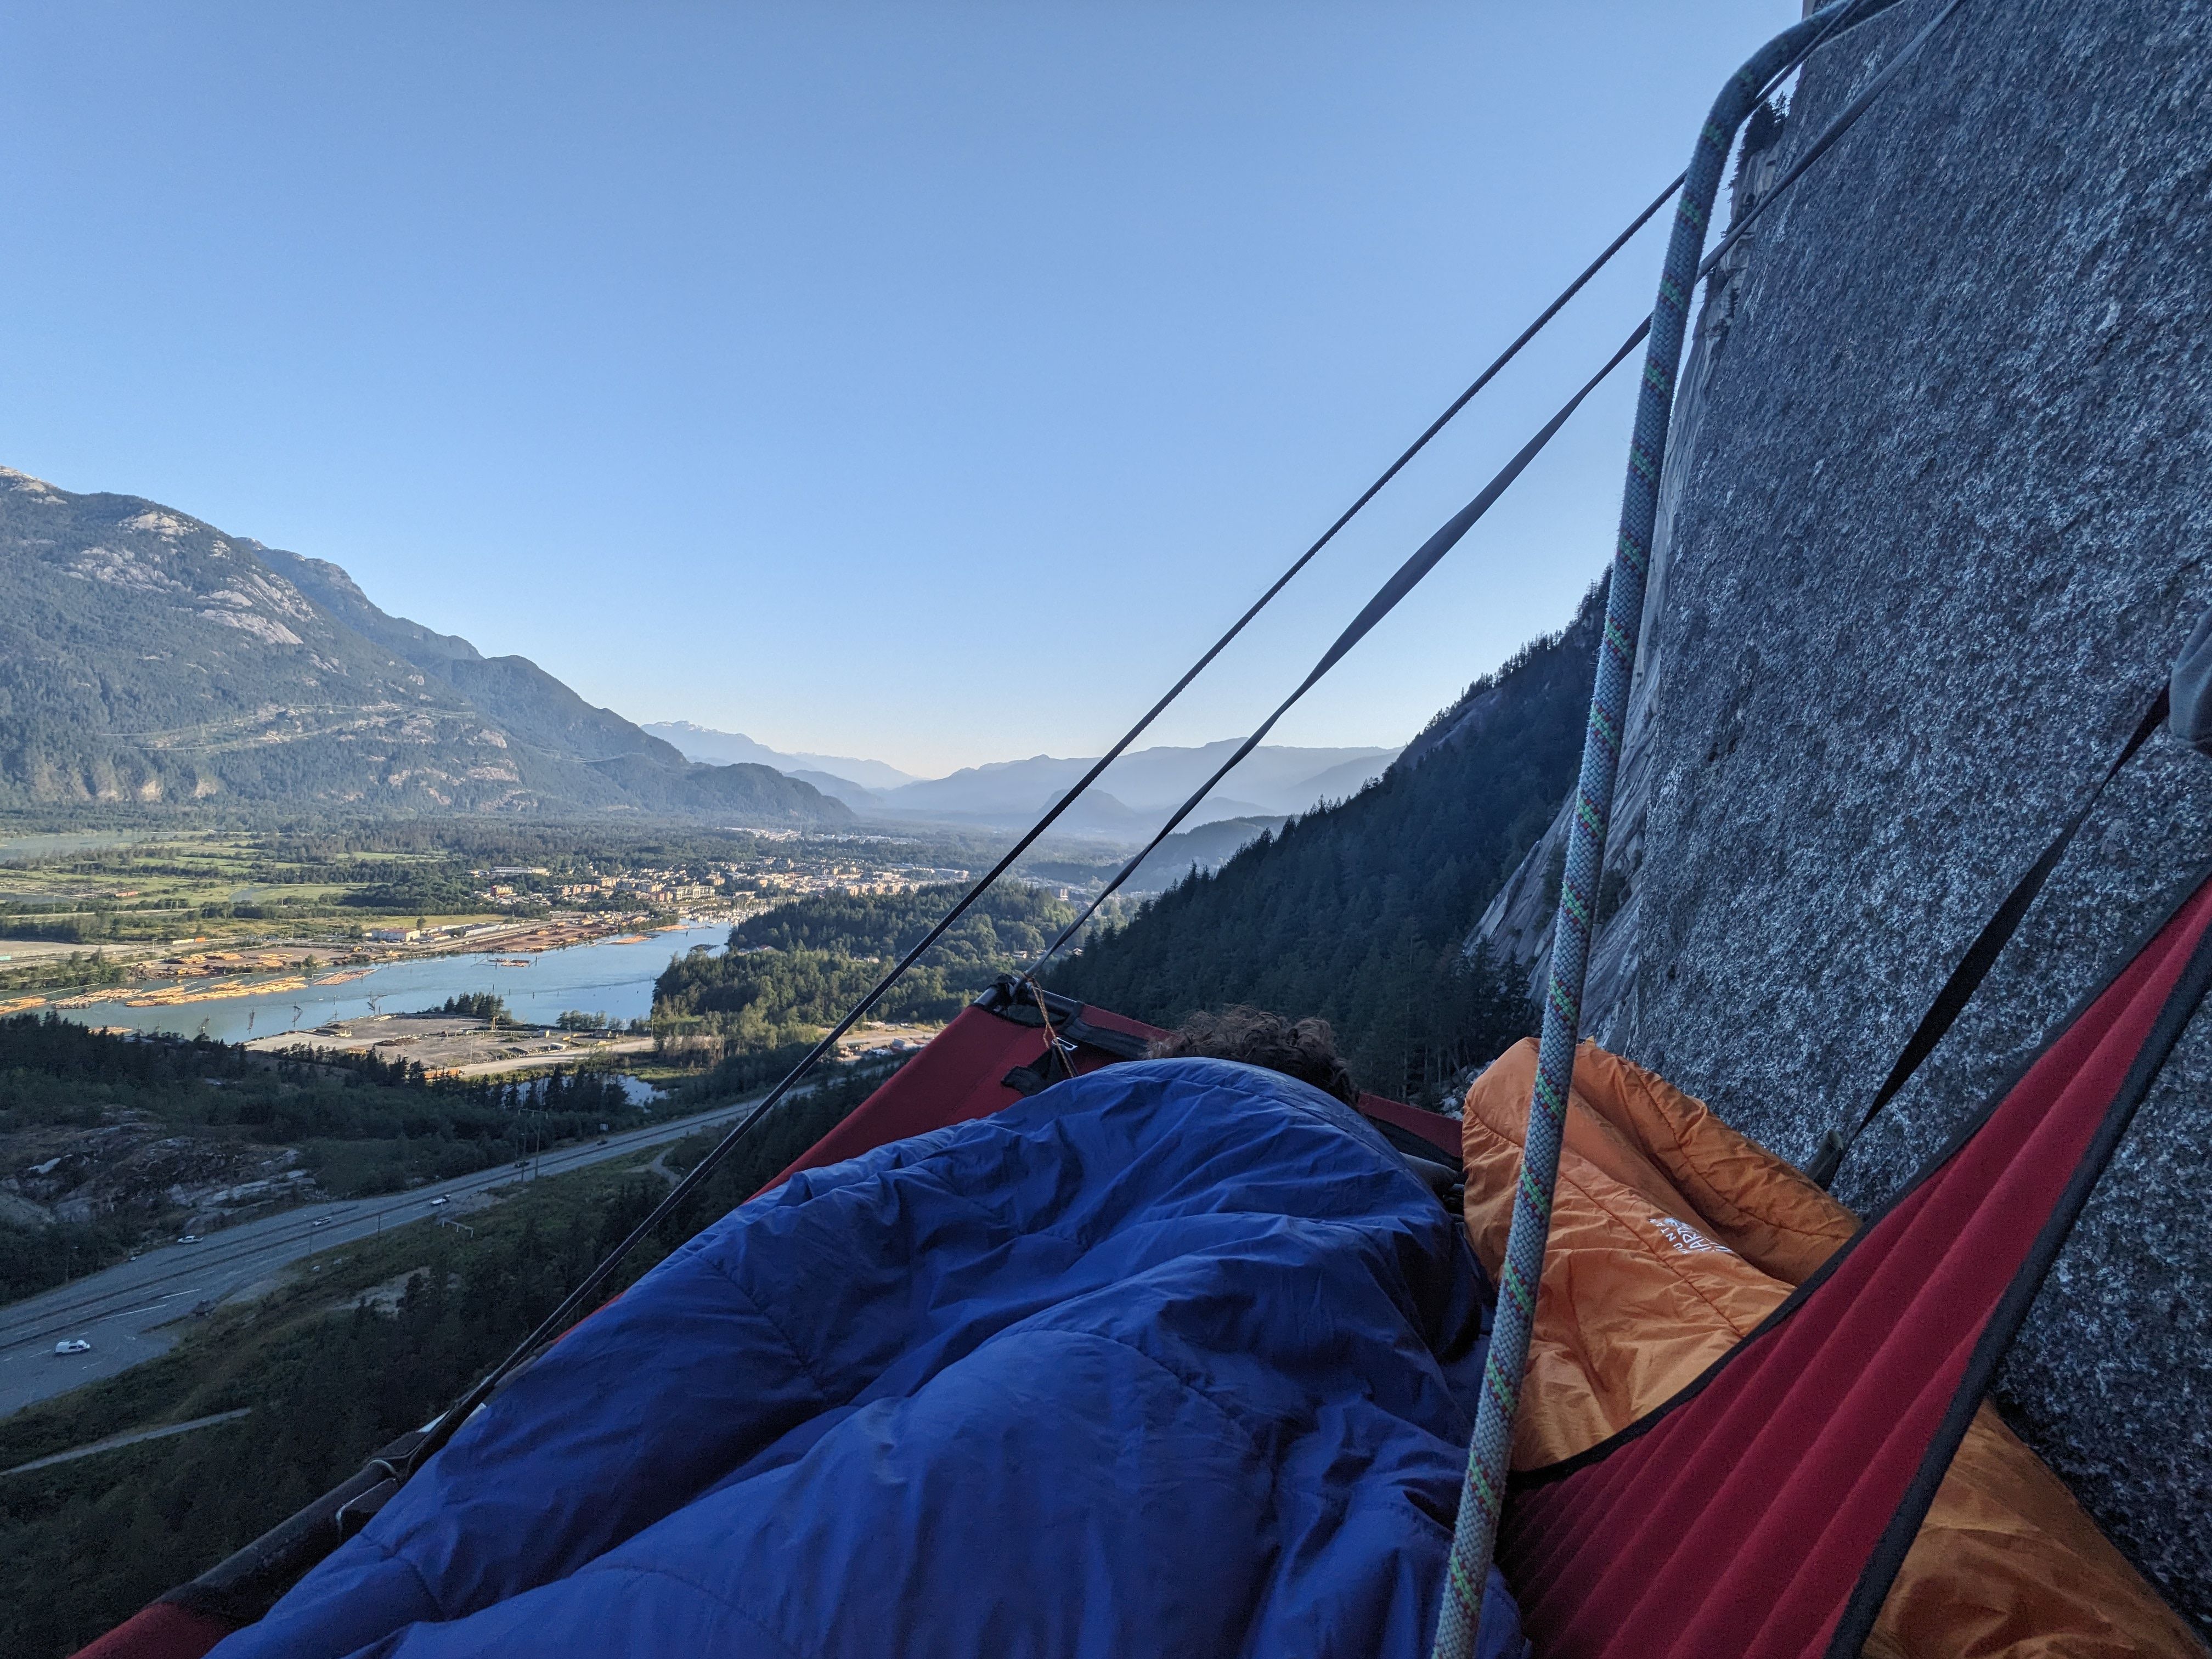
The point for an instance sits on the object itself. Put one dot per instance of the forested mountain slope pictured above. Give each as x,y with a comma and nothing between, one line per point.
790,972
147,658
1356,912
526,701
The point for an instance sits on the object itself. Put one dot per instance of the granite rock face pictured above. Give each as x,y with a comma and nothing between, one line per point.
1938,516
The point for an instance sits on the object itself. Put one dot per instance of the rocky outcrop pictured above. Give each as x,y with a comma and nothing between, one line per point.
1936,518
127,1166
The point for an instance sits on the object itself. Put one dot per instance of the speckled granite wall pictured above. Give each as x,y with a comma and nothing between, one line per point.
1945,517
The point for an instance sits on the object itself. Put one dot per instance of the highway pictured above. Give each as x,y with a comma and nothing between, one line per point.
123,1311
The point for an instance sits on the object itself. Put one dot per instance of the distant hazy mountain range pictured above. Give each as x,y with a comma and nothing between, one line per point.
1207,848
700,744
146,657
1127,804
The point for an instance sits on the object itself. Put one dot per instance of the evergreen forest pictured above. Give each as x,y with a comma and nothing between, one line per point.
794,970
1360,912
330,1370
121,1119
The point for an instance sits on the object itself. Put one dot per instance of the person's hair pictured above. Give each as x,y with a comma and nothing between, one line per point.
1305,1048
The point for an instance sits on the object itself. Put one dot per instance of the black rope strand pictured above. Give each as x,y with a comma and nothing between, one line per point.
442,1428
1408,576
578,1298
1410,573
1052,1045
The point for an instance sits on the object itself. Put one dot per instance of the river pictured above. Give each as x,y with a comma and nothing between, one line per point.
606,977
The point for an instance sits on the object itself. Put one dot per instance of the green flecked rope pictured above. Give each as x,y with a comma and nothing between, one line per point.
1482,1498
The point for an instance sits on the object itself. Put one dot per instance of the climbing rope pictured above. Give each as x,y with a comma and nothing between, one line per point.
1053,1045
1482,1497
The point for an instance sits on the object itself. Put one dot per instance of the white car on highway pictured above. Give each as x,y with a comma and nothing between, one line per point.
73,1344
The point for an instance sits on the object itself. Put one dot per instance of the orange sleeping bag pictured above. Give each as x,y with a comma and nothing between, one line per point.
1672,1238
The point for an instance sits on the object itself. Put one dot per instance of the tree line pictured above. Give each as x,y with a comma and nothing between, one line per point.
85,1545
1358,912
793,971
362,1125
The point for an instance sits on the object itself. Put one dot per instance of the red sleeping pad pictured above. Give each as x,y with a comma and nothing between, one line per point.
163,1631
1764,1510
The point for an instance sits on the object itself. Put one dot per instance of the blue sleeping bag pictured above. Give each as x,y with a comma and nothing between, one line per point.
1175,1359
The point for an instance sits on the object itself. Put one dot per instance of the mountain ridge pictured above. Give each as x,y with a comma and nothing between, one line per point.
149,659
1140,788
1356,911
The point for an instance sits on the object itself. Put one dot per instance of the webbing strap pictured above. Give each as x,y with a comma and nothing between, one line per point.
1674,294
1981,956
581,1298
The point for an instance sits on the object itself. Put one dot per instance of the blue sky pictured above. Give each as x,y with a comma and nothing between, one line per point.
927,381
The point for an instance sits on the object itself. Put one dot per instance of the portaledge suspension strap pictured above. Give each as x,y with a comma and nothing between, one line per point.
1482,1496
578,1300
1981,956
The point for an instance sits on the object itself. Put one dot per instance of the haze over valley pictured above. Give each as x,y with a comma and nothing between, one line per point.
149,660
1135,793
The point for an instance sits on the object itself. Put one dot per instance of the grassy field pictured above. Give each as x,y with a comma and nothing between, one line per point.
155,892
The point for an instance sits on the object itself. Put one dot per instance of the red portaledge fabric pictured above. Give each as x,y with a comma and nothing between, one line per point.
957,1077
1439,1131
161,1632
1761,1514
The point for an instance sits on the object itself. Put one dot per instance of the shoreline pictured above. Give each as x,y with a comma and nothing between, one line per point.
276,966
